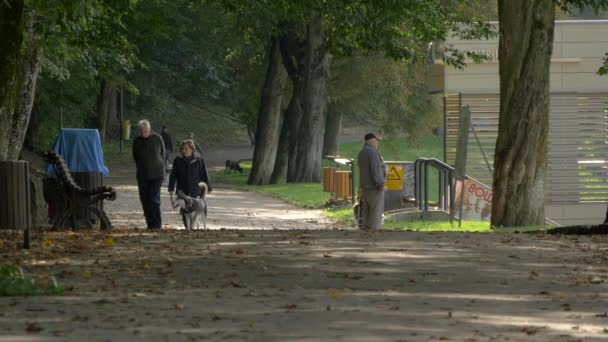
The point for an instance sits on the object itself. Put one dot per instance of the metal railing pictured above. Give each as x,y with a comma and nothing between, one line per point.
447,184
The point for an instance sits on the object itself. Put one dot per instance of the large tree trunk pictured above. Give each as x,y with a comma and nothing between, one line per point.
29,68
11,31
293,117
525,47
331,147
293,51
279,174
267,135
310,136
112,124
103,102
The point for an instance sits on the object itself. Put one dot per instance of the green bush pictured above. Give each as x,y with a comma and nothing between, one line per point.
14,283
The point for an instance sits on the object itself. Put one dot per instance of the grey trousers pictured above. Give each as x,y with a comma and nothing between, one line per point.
372,208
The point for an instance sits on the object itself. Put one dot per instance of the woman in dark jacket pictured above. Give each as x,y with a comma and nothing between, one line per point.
188,170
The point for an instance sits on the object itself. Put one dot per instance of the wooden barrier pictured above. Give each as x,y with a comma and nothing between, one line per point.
328,179
342,184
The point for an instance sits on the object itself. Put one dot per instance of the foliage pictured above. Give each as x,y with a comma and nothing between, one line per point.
186,49
14,283
74,100
379,92
604,68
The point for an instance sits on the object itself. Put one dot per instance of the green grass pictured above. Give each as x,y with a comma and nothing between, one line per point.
446,226
308,195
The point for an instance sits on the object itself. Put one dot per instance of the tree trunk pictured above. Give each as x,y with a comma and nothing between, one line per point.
310,136
294,118
29,68
267,134
103,101
279,174
112,124
11,31
293,51
331,147
525,47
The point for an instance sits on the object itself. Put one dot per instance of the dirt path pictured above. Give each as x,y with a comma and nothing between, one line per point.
262,280
228,209
246,285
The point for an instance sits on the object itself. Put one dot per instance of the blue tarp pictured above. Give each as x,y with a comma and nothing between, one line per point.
81,150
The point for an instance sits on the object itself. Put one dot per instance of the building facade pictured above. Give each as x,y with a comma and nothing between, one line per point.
576,187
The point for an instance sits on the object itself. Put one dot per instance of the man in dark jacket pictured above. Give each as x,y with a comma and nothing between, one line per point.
372,180
168,143
149,157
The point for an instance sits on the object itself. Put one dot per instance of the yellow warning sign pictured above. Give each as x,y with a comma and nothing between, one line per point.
394,178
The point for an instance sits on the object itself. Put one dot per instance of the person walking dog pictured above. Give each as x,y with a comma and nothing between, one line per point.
149,157
188,171
372,181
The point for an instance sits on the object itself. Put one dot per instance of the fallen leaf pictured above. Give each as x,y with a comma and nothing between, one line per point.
289,306
179,306
529,330
33,327
595,280
334,293
108,242
48,243
59,333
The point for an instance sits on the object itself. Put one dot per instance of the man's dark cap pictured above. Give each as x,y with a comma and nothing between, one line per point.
370,136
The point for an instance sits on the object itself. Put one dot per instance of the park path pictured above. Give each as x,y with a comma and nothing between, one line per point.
303,281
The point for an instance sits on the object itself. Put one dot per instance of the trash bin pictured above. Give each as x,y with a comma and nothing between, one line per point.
126,130
81,150
343,184
328,179
15,194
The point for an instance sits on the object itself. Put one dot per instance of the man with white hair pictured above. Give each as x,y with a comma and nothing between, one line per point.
149,157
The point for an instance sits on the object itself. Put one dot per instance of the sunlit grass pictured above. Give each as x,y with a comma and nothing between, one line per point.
308,195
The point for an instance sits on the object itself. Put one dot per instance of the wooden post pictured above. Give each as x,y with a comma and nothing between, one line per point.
464,122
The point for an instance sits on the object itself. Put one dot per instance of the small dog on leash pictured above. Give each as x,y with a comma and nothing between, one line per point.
192,209
233,166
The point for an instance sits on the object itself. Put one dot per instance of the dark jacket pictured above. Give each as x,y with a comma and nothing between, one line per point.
372,170
187,173
149,156
168,141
